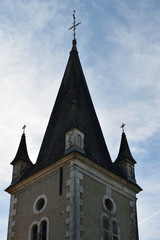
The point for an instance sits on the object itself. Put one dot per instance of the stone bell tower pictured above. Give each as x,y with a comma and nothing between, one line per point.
74,191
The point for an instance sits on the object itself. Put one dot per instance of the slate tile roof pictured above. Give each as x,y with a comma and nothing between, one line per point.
73,108
22,153
124,151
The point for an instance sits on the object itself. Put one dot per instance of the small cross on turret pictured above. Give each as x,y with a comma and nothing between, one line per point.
123,125
24,128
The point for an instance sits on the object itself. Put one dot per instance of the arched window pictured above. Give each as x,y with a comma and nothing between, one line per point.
39,230
114,230
34,232
79,141
106,228
109,227
131,171
43,230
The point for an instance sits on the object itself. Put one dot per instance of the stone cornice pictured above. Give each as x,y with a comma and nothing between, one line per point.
68,158
108,173
13,188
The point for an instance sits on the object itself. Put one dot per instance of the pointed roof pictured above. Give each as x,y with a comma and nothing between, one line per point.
124,150
73,108
22,153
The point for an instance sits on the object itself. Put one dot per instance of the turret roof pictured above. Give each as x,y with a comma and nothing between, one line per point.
124,150
22,153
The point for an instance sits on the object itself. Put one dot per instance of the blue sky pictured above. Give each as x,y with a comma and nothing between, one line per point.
119,48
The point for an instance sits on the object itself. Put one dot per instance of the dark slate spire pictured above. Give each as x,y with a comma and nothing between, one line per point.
73,109
22,153
124,151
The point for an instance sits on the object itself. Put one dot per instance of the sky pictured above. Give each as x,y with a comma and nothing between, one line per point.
119,47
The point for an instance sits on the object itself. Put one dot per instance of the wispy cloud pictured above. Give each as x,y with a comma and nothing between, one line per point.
150,217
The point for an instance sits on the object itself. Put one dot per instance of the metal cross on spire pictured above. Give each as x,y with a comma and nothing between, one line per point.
74,25
24,128
123,125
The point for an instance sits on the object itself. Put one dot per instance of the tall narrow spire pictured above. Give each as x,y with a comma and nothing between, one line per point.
124,150
22,153
73,109
21,162
125,159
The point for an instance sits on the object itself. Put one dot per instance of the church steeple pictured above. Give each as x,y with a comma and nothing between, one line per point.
73,178
21,160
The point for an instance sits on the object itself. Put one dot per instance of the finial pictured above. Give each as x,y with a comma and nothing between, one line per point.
24,128
123,125
74,27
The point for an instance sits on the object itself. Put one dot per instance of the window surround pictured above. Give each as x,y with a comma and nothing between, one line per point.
35,210
110,211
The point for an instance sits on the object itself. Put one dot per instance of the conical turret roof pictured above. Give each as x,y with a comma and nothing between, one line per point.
73,108
124,150
22,153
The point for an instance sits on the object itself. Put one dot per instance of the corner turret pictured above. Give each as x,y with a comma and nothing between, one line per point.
21,160
125,159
